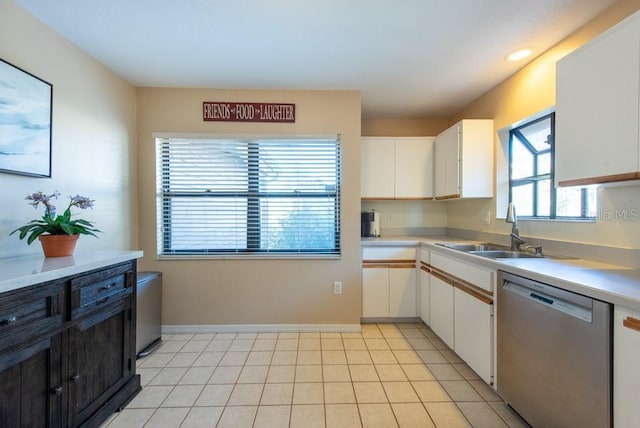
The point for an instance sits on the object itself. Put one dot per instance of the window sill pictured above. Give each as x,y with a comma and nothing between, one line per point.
248,257
559,220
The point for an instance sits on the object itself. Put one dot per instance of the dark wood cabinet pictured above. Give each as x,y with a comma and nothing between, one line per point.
32,392
67,349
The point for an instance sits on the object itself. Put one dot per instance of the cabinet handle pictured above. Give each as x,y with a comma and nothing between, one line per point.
57,390
442,277
8,321
101,301
75,377
107,287
473,293
632,323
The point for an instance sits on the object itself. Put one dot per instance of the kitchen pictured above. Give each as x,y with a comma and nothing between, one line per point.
121,125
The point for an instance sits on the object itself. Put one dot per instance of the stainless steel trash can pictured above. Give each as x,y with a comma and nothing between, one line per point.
149,312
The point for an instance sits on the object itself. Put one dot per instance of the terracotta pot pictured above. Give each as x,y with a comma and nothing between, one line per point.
58,245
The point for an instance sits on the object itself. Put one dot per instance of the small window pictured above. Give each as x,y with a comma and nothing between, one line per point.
531,176
246,196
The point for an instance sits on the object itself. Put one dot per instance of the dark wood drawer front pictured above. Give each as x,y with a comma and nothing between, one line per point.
29,314
92,291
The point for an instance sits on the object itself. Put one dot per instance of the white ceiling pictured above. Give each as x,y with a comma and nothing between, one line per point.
410,58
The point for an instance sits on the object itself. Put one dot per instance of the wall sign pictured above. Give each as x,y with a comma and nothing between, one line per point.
248,112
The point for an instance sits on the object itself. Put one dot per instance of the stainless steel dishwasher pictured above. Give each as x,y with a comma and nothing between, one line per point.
554,354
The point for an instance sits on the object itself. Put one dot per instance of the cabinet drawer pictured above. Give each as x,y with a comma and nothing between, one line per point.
475,275
389,253
90,291
425,256
28,314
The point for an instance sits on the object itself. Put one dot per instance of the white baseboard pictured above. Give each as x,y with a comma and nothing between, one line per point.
261,328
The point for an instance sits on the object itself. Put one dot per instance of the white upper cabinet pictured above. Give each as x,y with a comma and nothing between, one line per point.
397,168
597,109
464,160
447,164
378,168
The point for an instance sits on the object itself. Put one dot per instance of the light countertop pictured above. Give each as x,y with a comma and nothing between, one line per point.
22,271
611,283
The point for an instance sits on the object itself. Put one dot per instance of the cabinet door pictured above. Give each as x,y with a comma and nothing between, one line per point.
402,292
597,110
100,360
425,292
442,309
31,390
475,160
375,292
626,372
414,168
377,169
447,164
473,333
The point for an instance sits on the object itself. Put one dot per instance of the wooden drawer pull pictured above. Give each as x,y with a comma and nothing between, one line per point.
473,293
8,321
632,323
442,278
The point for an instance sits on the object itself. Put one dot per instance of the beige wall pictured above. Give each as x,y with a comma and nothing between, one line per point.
93,136
209,292
403,127
527,92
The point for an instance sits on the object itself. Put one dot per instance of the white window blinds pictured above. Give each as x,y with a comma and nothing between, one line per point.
234,196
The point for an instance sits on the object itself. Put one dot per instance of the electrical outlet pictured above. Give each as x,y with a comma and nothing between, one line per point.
485,217
337,287
389,218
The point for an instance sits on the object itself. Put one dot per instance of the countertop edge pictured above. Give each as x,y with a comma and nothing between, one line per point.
24,271
610,283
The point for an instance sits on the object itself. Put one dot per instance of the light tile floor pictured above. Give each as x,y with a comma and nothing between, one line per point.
389,375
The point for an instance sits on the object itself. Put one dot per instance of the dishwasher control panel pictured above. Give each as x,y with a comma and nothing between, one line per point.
556,303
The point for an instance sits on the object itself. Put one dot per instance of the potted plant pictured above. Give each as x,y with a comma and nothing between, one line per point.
57,234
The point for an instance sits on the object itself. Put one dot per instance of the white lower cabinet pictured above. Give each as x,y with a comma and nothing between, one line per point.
389,292
461,311
424,287
441,309
626,367
424,279
389,282
402,292
375,292
473,332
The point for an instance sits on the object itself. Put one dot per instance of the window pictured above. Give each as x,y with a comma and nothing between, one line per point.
531,176
245,196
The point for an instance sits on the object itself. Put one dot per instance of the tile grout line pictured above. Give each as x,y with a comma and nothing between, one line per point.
388,334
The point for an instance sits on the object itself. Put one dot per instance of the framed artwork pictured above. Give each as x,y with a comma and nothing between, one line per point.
25,122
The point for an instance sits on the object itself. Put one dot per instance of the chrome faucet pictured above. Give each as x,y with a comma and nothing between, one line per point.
516,240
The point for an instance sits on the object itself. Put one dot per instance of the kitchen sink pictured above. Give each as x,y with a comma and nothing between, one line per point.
495,251
473,247
505,254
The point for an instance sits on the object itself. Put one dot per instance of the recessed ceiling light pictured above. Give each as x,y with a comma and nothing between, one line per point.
518,55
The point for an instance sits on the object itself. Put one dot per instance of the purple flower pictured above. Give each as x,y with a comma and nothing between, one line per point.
39,197
81,202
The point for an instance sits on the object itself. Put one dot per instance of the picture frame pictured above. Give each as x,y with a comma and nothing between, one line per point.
25,122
